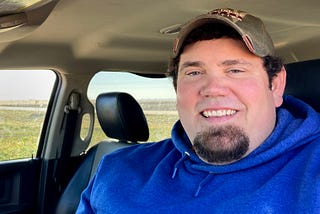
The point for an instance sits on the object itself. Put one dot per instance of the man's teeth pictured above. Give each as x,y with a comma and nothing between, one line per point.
219,113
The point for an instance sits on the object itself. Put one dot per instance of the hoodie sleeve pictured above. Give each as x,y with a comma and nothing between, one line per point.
85,202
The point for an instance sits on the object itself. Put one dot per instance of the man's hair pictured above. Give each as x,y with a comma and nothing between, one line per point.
210,31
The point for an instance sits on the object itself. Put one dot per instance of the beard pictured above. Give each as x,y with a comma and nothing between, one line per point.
220,145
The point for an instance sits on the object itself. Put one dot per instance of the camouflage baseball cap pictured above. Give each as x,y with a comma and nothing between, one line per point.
250,28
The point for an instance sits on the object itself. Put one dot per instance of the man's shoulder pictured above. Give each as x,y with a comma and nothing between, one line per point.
137,159
149,146
141,151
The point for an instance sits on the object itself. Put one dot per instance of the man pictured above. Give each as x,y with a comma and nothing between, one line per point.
239,146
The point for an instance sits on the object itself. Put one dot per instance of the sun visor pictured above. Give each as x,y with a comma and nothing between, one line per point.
19,18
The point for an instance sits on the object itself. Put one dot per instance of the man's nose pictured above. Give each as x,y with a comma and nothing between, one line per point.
214,85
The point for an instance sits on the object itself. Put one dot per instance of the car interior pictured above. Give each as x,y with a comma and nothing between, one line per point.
78,39
121,118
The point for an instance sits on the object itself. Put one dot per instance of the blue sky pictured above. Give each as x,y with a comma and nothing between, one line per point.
137,86
23,87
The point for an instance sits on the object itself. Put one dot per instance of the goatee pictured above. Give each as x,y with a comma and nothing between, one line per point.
221,145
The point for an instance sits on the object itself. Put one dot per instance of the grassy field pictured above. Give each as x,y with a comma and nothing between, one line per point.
19,131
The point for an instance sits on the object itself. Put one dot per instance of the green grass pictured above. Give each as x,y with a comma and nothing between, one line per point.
19,131
160,126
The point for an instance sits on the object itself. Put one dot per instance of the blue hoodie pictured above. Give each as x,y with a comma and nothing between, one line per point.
280,176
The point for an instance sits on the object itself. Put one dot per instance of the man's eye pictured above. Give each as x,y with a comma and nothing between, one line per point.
235,71
193,73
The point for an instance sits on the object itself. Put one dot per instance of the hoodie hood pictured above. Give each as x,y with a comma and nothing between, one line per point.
297,124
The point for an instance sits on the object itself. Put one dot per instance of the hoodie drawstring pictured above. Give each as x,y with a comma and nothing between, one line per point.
203,183
178,163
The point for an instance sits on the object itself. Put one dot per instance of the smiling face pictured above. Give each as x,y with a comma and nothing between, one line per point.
223,86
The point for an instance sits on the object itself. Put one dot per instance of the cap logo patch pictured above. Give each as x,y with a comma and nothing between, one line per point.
248,42
235,15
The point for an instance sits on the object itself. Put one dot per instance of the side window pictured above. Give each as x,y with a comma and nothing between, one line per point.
24,97
155,95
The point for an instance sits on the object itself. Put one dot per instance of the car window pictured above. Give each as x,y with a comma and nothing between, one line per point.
155,95
24,97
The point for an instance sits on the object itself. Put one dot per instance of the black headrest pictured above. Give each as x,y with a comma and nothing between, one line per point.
121,117
303,81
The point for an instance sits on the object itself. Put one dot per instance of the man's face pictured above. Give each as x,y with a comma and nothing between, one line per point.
223,88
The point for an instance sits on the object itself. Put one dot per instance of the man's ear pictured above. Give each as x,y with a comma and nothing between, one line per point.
278,86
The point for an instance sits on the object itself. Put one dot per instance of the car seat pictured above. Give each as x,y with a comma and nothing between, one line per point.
120,117
302,81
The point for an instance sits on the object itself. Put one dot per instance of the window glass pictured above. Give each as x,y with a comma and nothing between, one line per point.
155,95
24,97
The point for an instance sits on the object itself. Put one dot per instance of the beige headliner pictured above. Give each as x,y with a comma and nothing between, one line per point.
91,35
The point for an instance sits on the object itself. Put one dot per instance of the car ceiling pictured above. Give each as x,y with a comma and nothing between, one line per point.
88,36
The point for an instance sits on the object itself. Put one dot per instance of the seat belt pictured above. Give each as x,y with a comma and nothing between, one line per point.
71,114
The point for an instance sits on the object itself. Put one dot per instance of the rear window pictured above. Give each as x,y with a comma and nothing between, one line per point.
155,95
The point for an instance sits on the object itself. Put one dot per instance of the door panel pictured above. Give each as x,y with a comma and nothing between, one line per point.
19,185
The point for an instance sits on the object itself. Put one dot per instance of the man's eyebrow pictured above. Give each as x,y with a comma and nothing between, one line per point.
190,64
234,62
